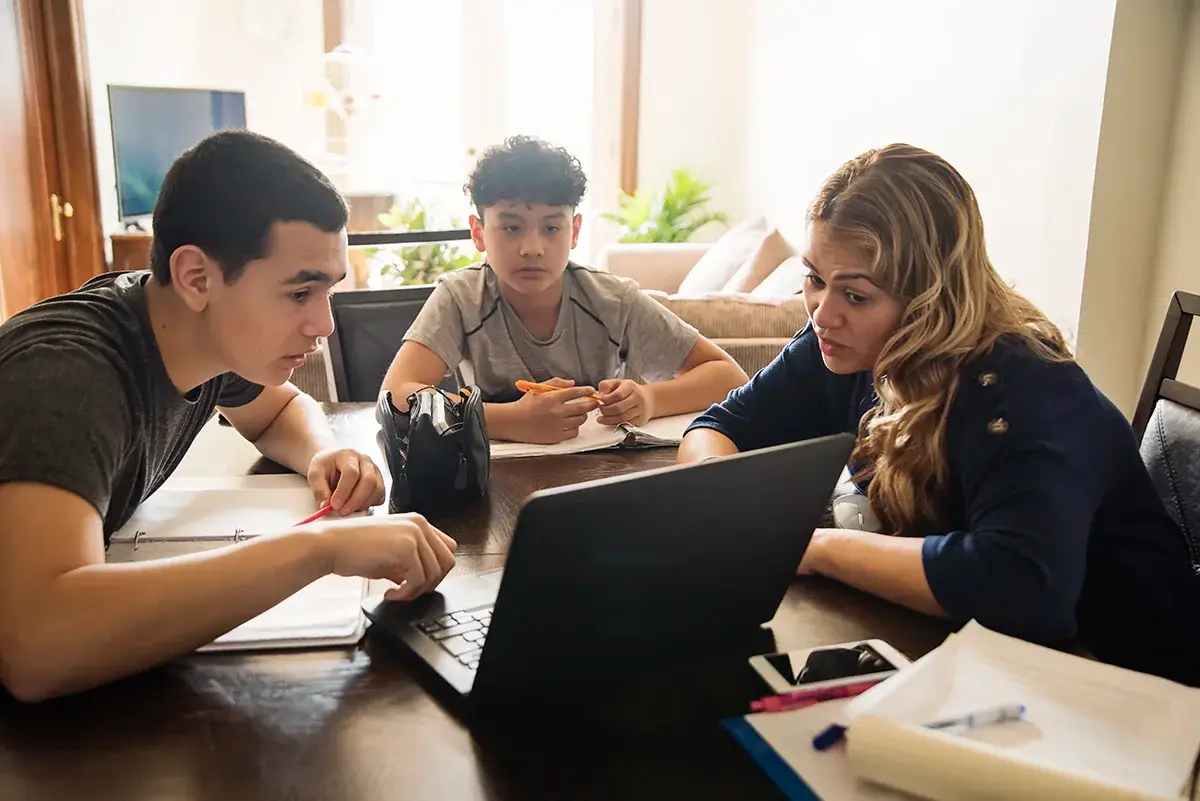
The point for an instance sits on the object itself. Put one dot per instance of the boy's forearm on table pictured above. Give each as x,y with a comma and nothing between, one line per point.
299,432
697,389
498,417
101,622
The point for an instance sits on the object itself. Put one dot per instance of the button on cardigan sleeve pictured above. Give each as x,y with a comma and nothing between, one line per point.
1029,472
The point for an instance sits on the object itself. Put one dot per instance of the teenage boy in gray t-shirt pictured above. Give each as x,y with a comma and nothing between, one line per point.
528,313
104,389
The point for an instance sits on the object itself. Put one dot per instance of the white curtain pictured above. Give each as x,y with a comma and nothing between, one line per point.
456,76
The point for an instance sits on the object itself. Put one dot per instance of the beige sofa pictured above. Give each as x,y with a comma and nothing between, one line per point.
752,329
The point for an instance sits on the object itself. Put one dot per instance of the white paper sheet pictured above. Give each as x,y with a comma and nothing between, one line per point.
326,612
1090,731
216,508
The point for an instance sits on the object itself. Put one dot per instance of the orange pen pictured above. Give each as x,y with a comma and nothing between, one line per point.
533,386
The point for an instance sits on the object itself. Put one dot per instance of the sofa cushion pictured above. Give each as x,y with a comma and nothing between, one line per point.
755,353
787,279
772,251
724,258
730,316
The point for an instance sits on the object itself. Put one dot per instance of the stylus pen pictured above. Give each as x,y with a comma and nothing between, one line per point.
983,717
802,698
972,720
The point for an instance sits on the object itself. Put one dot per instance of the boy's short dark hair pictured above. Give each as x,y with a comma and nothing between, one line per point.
529,170
224,194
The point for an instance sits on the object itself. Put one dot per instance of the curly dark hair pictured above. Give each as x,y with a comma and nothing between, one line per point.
528,170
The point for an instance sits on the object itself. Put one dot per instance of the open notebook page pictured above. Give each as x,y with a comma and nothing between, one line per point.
663,430
326,612
594,436
217,508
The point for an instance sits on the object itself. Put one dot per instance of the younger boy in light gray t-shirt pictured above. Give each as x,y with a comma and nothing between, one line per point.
529,313
607,328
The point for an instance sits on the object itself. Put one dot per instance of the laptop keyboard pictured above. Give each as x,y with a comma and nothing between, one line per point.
461,634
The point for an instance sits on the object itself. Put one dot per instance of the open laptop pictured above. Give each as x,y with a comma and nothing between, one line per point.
606,577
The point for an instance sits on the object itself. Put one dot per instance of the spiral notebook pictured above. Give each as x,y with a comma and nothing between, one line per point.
663,432
326,613
219,509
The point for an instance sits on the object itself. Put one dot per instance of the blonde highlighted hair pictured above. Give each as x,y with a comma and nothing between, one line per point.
918,223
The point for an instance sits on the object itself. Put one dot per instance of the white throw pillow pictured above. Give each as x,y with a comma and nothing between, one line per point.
786,279
719,263
771,252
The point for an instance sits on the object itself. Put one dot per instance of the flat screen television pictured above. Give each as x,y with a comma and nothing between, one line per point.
151,126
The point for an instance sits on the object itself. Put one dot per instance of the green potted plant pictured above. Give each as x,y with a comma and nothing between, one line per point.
416,264
675,216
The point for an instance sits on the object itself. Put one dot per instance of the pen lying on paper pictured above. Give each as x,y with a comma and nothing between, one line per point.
972,720
984,717
317,515
533,386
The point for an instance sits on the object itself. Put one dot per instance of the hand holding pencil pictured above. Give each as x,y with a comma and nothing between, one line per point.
553,385
346,480
552,411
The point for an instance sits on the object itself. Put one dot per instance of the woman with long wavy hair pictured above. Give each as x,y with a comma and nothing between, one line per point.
997,482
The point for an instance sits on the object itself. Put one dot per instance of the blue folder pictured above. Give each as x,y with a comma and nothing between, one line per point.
771,763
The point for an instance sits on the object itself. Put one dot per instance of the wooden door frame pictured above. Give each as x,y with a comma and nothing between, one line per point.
60,153
35,274
631,91
74,139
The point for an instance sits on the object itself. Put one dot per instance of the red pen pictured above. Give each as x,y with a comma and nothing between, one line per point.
802,698
317,515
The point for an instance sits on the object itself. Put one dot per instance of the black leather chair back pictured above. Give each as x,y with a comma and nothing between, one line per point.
369,327
1167,420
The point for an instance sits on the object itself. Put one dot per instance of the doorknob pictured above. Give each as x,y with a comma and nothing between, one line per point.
59,208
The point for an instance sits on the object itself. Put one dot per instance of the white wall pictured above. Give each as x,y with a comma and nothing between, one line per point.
695,71
1009,91
270,49
1135,132
1178,253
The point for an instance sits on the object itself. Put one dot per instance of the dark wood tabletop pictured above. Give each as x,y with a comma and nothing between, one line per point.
365,724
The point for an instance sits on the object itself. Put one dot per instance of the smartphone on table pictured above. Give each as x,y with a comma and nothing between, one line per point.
828,665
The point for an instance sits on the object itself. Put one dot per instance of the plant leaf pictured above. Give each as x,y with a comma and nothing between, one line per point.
673,216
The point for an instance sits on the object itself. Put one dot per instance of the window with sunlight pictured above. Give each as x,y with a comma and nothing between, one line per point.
456,76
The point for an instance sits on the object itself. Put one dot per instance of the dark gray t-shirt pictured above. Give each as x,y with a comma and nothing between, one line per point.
86,403
607,328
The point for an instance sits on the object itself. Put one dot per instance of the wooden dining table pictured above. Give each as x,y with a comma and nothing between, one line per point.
367,723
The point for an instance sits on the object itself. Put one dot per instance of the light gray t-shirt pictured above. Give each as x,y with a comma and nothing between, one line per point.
607,328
